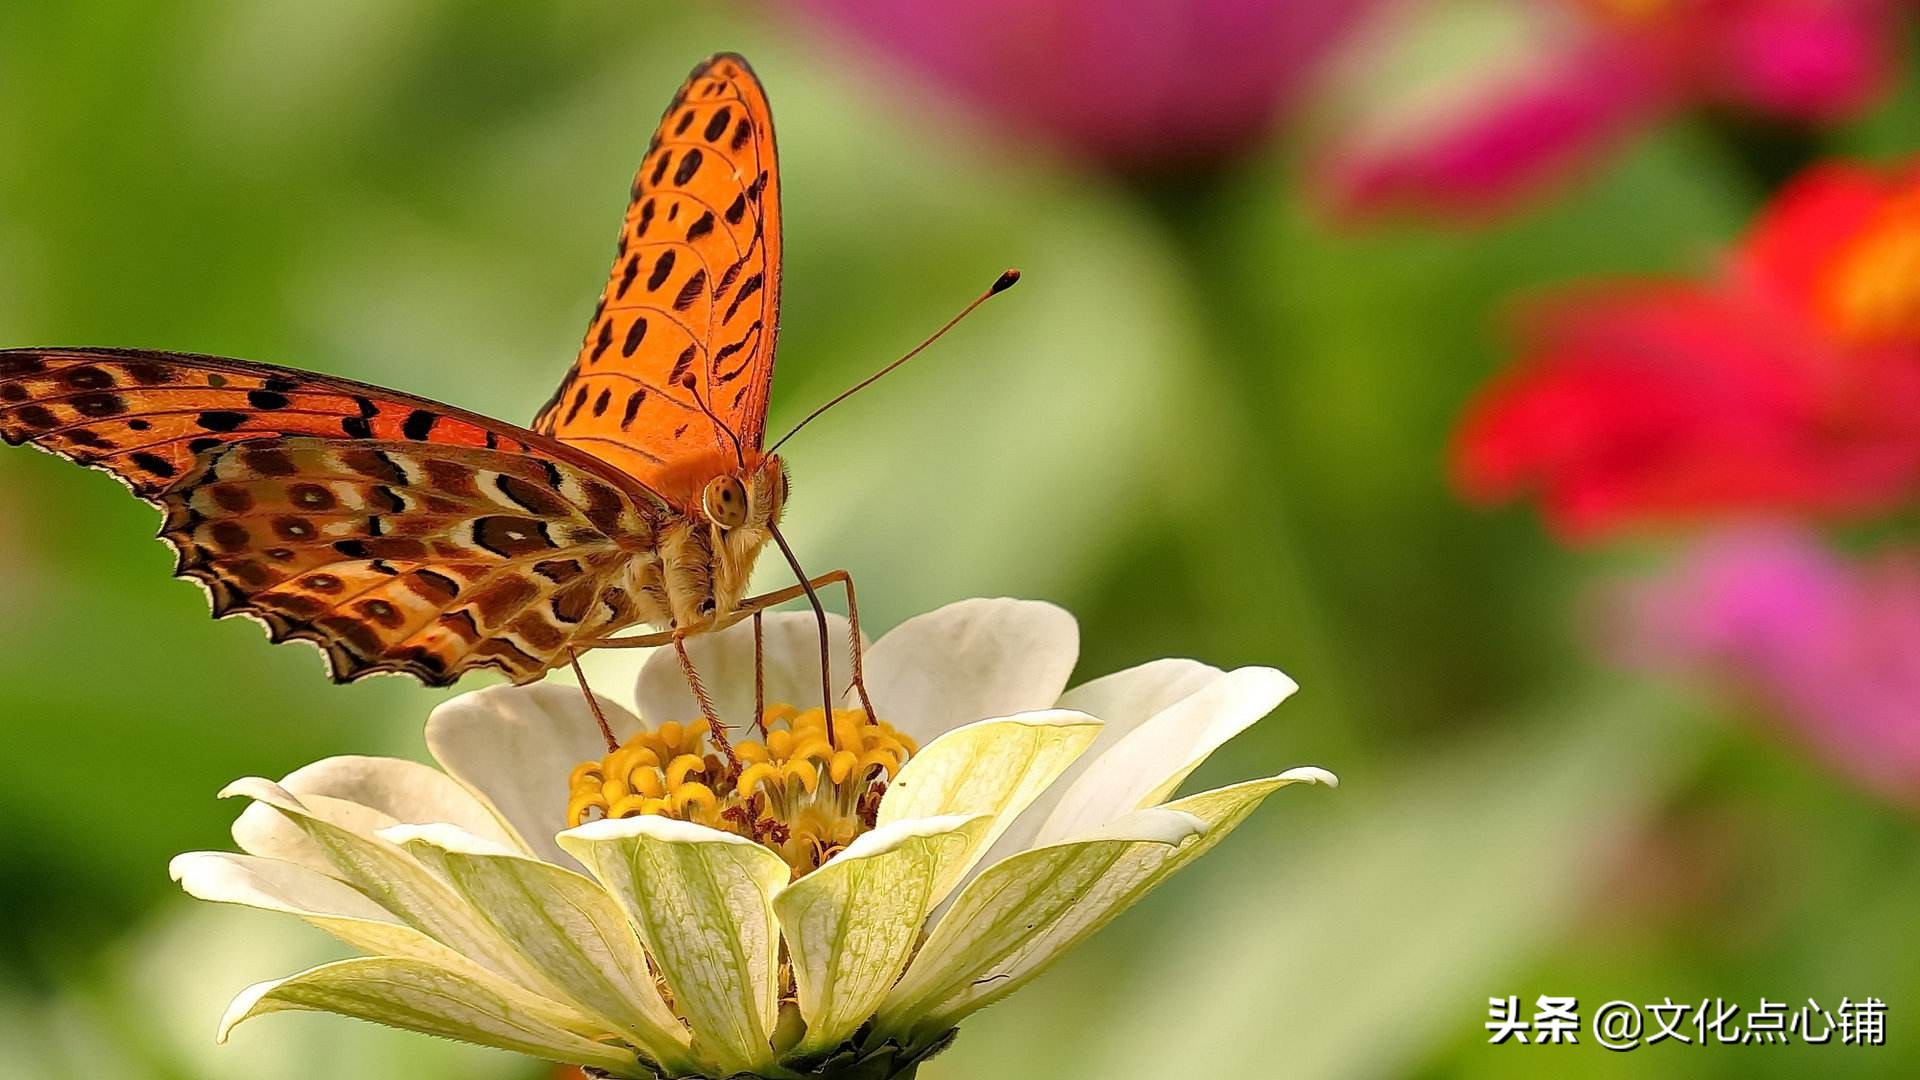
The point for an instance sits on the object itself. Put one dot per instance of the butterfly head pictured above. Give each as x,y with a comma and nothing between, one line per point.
740,507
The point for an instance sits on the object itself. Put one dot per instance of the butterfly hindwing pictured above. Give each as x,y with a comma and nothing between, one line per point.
694,289
403,556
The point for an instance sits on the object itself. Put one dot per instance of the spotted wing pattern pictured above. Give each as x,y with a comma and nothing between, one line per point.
394,533
694,290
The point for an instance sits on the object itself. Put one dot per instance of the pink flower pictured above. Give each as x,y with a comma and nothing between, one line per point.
1830,647
1133,85
1558,83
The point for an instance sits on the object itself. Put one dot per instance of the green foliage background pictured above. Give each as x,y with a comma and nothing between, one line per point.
1206,423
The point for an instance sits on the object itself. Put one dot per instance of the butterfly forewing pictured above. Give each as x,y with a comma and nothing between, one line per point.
694,289
395,533
144,416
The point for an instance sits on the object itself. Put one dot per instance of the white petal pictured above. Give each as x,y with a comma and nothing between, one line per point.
725,662
397,882
1146,766
405,791
702,901
420,997
851,925
1021,914
565,926
1122,701
993,767
271,885
513,746
970,660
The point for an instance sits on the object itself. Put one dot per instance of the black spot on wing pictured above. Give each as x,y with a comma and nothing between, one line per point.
419,424
221,419
661,268
689,166
600,343
695,287
747,288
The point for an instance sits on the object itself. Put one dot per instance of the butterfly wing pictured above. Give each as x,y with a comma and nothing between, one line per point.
694,289
395,533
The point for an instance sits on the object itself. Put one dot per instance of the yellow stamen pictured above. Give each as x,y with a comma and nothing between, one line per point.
796,792
753,776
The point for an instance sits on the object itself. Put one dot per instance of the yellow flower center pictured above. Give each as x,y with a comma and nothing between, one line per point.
1873,296
796,790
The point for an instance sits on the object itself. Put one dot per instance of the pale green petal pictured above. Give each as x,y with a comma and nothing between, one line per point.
702,901
1147,766
225,878
992,767
851,925
261,830
396,881
565,925
420,997
1021,914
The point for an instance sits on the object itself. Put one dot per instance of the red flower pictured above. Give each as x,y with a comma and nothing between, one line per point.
1791,384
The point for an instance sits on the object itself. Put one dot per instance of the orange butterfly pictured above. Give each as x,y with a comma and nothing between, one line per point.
402,535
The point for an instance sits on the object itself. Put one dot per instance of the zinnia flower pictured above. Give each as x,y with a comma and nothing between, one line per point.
1790,384
762,910
1139,87
1547,86
1829,647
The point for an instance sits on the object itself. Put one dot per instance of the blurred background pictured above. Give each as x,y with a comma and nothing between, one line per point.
1274,251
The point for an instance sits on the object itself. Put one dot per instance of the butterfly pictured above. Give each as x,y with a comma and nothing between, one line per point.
402,535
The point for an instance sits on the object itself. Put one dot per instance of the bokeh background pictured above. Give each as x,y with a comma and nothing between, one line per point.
1214,420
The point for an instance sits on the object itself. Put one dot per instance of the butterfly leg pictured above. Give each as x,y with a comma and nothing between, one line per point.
759,676
715,728
843,578
606,730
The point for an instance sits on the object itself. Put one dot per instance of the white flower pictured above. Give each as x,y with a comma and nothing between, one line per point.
815,904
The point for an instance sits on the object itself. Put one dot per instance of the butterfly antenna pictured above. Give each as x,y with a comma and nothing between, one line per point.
693,387
1001,284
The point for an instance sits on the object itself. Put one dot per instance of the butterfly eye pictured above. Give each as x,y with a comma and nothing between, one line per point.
725,502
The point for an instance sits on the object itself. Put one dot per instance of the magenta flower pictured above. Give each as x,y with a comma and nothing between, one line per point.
1136,86
1553,84
1829,647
